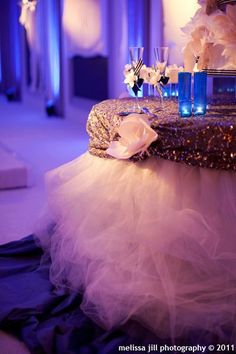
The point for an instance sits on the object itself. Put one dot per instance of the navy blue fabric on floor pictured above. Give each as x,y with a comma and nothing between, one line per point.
50,321
47,320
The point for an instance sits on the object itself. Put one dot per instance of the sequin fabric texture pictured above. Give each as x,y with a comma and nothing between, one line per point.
205,141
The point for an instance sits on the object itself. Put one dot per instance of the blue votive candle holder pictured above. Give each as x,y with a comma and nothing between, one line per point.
166,91
200,93
184,98
174,90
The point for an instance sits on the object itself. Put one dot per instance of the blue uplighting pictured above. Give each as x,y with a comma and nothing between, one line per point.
17,58
135,23
0,67
54,51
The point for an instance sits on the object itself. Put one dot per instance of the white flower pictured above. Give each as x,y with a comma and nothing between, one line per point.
172,72
161,66
135,136
224,27
130,78
31,5
211,37
154,77
127,68
143,73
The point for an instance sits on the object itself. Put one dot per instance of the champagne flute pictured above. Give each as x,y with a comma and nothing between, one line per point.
136,53
161,58
136,57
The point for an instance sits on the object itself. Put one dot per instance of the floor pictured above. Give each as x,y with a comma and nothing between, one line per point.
43,143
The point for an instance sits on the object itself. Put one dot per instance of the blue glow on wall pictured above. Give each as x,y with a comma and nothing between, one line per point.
16,43
135,23
12,81
54,50
0,66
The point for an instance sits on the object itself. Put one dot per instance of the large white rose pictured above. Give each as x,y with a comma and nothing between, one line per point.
136,135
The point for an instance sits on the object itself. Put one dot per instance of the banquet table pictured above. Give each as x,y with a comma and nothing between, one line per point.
181,195
132,252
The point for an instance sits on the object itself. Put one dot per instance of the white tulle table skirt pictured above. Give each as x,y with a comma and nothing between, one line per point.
153,240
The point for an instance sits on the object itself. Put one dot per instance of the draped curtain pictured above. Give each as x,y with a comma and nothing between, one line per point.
42,23
84,23
10,49
30,18
108,28
98,27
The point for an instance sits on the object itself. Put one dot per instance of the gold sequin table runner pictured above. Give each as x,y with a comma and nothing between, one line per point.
204,141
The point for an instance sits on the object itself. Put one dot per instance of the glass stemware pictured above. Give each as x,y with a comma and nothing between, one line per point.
161,58
136,53
136,57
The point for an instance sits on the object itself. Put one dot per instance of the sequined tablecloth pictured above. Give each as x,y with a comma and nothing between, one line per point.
206,141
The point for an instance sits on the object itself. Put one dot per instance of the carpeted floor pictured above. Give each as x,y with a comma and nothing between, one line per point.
42,143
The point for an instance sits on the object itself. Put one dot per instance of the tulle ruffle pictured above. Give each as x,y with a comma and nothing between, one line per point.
153,241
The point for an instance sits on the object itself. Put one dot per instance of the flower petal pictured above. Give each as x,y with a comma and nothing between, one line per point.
118,150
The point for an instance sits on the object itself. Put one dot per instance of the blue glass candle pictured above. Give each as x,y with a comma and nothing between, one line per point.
184,98
174,90
166,90
200,93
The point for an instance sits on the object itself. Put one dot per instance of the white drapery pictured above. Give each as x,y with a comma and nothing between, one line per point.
30,19
84,23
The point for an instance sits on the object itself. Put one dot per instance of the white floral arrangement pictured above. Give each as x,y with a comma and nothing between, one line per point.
211,38
145,75
27,7
151,76
135,134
